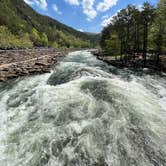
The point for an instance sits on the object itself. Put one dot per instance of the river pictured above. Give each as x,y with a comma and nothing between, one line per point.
83,113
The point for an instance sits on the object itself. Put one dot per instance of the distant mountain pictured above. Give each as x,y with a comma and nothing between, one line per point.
19,17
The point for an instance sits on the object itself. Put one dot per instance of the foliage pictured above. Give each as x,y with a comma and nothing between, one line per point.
9,40
159,27
138,30
54,45
35,37
113,44
18,17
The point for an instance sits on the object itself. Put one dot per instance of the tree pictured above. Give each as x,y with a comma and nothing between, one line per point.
137,24
35,37
9,40
138,30
147,16
105,36
159,29
113,45
54,44
44,39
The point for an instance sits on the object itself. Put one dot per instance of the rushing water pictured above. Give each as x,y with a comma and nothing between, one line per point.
84,113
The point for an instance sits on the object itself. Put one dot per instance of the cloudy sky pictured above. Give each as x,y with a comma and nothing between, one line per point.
83,15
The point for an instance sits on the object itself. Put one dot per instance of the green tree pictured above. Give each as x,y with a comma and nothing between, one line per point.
24,40
35,37
159,29
147,18
113,45
9,40
105,36
132,27
54,44
44,39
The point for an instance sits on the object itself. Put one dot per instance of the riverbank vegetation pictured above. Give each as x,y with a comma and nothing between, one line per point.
21,26
137,33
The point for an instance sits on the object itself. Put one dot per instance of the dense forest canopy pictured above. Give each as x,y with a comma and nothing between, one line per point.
135,30
21,26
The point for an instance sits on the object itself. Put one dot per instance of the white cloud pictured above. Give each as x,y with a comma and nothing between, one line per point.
139,7
87,6
105,16
88,9
81,30
105,5
40,3
29,2
108,19
55,8
73,2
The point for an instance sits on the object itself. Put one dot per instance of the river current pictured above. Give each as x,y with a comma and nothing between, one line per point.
83,113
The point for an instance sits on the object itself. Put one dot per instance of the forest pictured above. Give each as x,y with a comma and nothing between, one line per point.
137,31
23,27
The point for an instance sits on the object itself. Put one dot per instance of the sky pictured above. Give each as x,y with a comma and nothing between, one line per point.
83,15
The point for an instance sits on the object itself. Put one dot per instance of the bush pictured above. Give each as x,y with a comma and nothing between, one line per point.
8,40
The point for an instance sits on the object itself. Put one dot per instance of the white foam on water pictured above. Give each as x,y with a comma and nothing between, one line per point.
92,118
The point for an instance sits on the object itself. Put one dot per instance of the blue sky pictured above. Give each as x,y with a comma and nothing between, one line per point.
83,15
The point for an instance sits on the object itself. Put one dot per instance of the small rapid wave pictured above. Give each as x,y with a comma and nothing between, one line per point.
84,113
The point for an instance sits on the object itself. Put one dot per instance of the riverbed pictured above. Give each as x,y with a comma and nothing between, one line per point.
84,113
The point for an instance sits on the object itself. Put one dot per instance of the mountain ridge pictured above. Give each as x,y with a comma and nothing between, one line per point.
18,16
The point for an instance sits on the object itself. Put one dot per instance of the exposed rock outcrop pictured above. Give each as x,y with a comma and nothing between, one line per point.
15,63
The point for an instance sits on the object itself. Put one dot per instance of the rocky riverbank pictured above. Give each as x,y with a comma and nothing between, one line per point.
15,63
136,63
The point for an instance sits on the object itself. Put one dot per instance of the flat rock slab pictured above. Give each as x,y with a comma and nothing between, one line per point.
15,63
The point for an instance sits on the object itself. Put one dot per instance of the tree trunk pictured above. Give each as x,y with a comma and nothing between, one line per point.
135,40
127,42
159,45
121,48
145,43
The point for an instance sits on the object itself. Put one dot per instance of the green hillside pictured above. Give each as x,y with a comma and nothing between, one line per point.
21,26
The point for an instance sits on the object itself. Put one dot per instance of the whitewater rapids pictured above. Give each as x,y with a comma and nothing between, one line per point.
83,113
